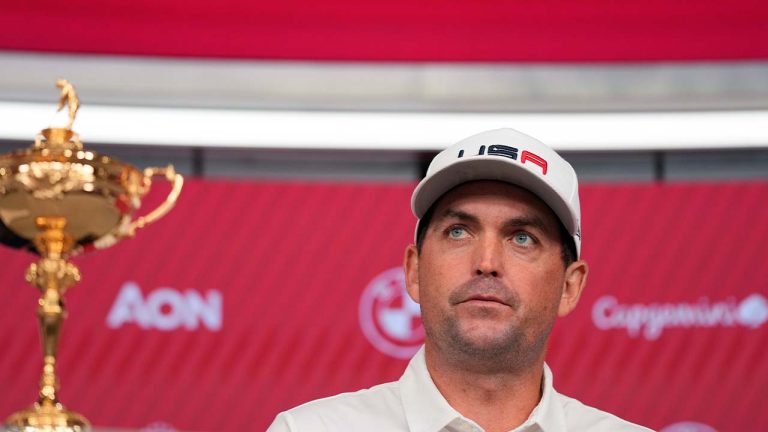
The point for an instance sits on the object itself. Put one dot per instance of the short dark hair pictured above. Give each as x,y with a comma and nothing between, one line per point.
568,253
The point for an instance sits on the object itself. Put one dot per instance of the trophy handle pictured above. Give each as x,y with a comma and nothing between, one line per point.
127,227
177,181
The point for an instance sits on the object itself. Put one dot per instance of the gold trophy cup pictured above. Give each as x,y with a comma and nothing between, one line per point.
58,200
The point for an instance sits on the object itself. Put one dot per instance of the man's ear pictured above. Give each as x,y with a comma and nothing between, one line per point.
573,285
411,267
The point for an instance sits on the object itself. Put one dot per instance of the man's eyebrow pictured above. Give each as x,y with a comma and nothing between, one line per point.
463,216
515,222
527,221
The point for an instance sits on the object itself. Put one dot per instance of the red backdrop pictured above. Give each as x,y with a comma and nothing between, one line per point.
396,30
248,298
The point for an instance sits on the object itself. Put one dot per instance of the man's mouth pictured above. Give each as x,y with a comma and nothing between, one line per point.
484,292
485,299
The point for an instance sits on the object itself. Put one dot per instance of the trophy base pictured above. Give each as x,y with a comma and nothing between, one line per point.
47,418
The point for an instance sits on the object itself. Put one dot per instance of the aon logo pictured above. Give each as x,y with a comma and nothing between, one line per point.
166,309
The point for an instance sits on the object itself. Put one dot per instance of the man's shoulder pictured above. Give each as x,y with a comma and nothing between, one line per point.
375,399
378,405
584,417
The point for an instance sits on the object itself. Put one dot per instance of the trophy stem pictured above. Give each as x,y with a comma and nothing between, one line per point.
53,275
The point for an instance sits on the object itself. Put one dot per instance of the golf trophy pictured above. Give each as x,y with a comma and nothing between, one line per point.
58,200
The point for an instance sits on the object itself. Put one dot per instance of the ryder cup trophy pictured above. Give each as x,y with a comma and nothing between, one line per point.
58,200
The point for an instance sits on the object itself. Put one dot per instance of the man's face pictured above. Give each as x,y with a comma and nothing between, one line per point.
490,277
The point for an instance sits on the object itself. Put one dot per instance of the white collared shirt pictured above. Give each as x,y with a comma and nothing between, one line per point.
415,404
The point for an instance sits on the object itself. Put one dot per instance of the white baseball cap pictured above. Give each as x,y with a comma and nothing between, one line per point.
509,156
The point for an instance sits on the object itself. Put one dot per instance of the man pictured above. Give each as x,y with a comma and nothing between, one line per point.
496,261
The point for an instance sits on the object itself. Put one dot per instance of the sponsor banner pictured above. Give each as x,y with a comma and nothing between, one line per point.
395,30
650,320
389,318
688,426
165,309
253,297
158,427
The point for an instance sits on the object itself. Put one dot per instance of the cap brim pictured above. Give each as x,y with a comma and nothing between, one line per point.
488,168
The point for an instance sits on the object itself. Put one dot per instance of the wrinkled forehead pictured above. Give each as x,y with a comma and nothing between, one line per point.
491,192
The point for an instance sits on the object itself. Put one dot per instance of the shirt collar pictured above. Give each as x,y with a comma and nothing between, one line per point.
426,410
548,414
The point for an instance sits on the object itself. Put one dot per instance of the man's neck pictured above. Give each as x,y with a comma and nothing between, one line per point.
498,401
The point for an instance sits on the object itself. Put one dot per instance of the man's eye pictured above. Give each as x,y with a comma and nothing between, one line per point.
456,232
522,239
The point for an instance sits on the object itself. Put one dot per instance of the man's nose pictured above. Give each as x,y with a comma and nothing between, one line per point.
488,255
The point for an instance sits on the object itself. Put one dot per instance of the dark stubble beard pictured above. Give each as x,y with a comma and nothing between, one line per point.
511,351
